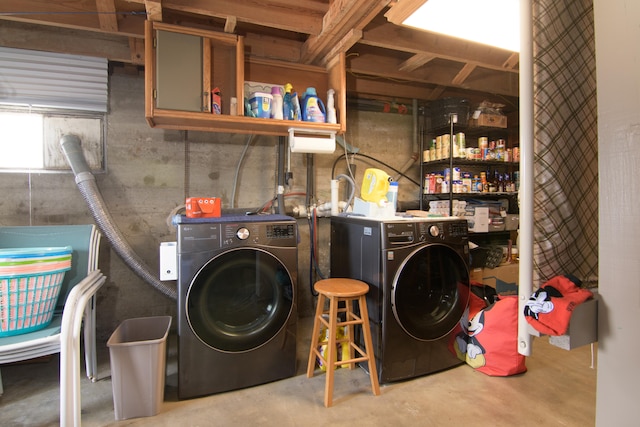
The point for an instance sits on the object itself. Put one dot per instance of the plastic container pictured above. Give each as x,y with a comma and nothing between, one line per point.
331,107
277,104
216,101
375,186
30,284
137,350
288,112
261,104
392,195
312,107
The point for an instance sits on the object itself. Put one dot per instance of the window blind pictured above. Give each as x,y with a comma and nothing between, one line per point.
53,80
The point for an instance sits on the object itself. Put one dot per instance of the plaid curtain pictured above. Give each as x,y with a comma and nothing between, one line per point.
565,141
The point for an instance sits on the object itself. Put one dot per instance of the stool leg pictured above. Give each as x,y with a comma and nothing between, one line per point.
332,358
366,332
350,331
314,336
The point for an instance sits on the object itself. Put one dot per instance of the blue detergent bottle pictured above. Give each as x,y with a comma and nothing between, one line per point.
312,107
287,103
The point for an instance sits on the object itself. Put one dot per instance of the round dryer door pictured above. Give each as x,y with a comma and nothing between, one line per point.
240,300
426,298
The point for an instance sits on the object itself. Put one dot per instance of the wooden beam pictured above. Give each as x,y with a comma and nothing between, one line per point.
459,79
65,40
230,24
303,17
79,14
416,61
343,45
437,73
137,50
512,61
107,15
437,92
389,36
401,10
342,17
154,10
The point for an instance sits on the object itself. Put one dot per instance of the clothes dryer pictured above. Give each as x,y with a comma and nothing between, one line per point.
237,303
417,270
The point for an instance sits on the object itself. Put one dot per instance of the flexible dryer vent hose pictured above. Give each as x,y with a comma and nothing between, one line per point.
88,188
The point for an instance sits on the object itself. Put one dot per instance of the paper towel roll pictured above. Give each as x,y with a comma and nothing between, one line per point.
312,144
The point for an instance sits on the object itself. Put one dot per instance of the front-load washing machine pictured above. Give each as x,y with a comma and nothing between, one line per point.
418,273
237,309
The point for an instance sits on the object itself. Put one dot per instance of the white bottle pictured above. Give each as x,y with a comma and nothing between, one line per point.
392,195
331,107
276,105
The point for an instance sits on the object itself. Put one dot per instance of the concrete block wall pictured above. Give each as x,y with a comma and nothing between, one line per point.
150,171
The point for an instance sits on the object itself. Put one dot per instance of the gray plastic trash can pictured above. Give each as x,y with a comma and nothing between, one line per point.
137,349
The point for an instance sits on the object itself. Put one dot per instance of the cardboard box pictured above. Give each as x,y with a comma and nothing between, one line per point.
479,221
583,327
503,278
489,120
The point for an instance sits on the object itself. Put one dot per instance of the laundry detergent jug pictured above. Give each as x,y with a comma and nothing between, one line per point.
375,186
312,107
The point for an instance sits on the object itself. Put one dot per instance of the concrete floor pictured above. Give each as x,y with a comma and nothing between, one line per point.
558,389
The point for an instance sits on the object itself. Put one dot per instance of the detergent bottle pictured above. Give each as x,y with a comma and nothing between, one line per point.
312,107
287,104
375,186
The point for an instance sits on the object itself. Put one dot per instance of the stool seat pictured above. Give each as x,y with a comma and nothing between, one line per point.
337,290
341,287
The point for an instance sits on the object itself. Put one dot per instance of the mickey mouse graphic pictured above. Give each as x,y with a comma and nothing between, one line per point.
475,351
540,302
467,346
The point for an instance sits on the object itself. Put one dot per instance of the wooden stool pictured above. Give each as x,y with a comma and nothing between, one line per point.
337,290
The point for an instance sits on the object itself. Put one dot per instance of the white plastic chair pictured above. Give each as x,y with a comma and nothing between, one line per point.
75,305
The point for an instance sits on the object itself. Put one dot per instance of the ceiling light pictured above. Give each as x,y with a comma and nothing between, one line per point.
491,22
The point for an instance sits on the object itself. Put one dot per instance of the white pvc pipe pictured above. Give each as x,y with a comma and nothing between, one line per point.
525,279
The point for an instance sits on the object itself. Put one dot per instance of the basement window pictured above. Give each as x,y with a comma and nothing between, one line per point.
44,96
30,140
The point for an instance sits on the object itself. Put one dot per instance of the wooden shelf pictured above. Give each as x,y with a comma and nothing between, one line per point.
225,66
467,162
207,122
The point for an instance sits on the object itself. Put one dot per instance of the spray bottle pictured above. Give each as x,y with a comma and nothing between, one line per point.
295,103
331,107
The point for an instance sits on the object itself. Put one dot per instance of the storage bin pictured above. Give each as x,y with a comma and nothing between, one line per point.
441,109
137,350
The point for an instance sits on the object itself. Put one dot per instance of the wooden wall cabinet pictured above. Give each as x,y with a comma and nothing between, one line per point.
183,65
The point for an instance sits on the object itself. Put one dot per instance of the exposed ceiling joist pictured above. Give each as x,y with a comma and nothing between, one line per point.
154,10
459,79
107,15
394,60
342,18
416,61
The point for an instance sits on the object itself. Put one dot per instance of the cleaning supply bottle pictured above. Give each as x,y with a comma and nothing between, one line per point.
392,195
375,186
287,105
216,101
277,105
312,107
331,107
295,103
